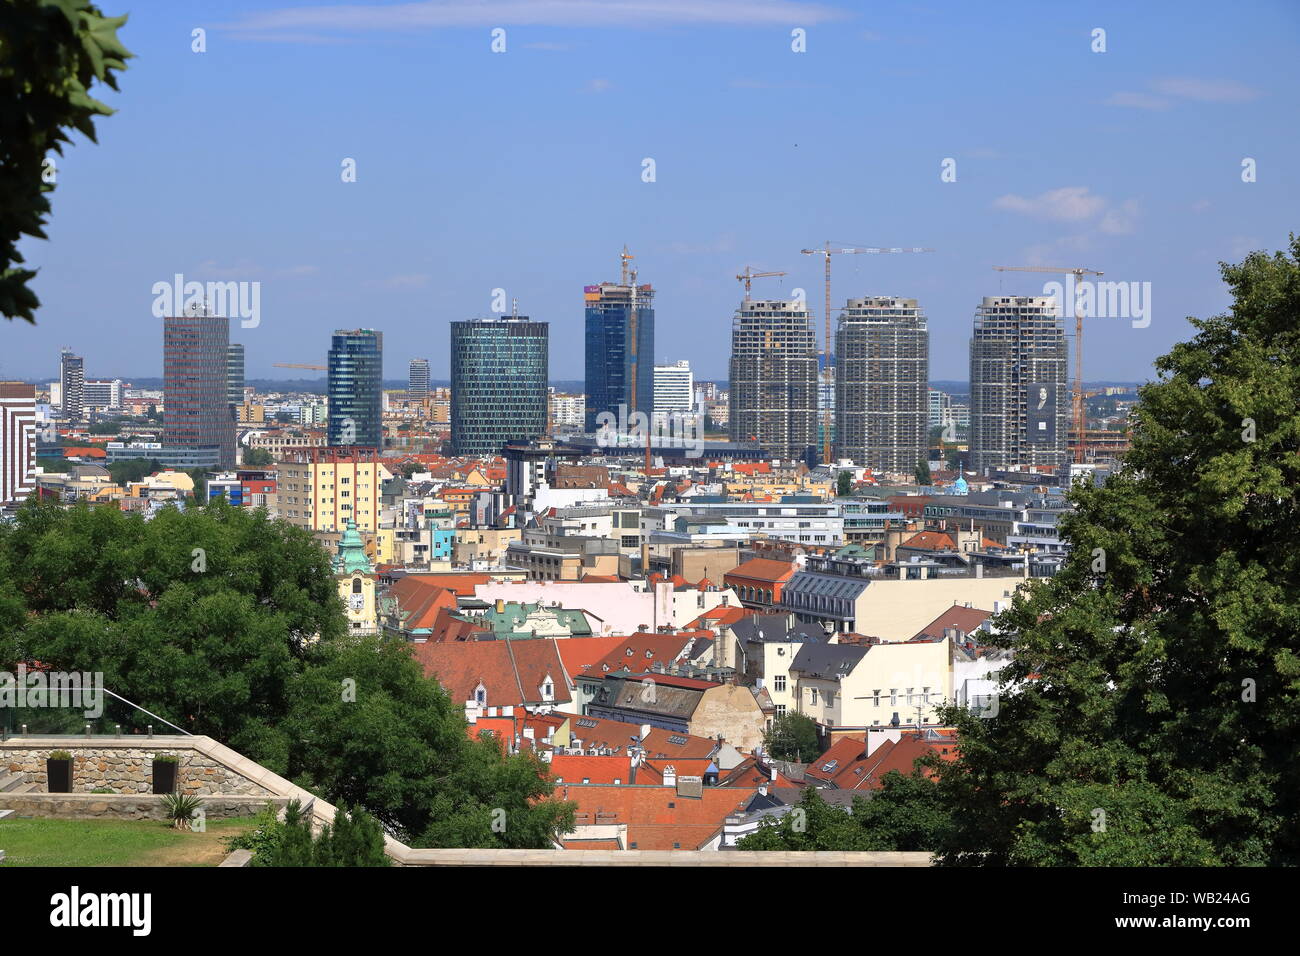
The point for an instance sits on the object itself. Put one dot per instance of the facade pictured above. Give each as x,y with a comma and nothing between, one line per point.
1019,368
940,413
323,490
567,411
102,394
773,389
355,376
72,378
882,367
17,441
417,387
620,350
499,371
674,388
198,428
235,374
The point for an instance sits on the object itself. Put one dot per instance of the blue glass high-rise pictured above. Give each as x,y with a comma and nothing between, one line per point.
355,383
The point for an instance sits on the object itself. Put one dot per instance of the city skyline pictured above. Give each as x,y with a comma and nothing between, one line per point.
1113,171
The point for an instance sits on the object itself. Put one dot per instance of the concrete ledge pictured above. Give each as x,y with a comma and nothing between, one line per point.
711,858
237,858
123,806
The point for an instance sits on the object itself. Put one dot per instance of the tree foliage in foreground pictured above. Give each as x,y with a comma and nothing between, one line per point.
1157,677
51,53
207,618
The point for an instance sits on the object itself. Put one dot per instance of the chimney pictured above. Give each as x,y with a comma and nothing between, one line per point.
501,605
670,776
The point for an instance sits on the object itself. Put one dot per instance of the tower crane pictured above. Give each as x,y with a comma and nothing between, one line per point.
1076,397
747,276
826,254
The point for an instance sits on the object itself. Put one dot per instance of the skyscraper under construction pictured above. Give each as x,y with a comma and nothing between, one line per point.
1019,389
620,348
882,365
774,377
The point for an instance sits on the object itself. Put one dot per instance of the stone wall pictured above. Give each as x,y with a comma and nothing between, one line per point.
85,806
126,768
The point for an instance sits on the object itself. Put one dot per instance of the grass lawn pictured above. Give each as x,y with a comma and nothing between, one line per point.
55,842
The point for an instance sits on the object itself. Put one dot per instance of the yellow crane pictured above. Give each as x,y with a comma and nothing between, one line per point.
317,368
747,276
1076,397
826,252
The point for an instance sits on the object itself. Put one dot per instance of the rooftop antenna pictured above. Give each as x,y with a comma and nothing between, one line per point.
625,256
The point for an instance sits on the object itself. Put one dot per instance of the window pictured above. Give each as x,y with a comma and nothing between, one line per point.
875,698
893,697
812,694
356,585
778,683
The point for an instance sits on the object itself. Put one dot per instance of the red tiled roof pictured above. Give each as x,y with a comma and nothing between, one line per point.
512,672
964,619
930,541
657,818
853,770
762,569
639,652
420,600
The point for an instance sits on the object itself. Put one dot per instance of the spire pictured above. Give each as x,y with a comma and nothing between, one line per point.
351,556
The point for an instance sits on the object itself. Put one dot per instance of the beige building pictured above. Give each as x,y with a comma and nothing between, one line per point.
851,688
323,494
483,544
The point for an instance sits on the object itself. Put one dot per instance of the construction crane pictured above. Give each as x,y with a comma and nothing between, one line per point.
826,253
1076,397
317,368
747,276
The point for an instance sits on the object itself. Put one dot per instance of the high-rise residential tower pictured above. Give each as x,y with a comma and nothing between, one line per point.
1019,384
882,366
499,370
355,384
620,348
235,374
773,384
198,429
72,378
417,386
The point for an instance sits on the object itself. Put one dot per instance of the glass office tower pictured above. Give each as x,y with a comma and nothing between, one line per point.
499,370
355,376
620,350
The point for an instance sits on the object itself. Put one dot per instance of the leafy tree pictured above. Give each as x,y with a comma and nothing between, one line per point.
257,458
793,736
812,825
228,623
52,465
133,469
203,616
51,53
922,472
1158,673
200,478
354,839
844,484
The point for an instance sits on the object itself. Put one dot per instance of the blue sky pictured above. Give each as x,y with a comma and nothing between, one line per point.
522,170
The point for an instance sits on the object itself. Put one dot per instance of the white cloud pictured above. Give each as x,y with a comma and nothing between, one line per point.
1120,220
1206,91
1067,204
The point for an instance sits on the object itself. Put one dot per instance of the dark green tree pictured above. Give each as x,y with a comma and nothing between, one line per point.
1158,674
793,736
51,53
257,458
922,472
844,484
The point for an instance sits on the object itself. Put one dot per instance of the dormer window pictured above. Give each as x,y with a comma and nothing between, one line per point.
480,695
